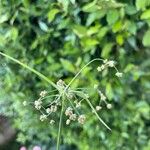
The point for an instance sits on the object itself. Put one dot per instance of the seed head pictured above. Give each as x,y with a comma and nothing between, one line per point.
98,108
24,103
73,117
109,106
43,93
118,74
81,119
111,63
68,122
43,117
48,110
53,108
52,122
38,104
69,111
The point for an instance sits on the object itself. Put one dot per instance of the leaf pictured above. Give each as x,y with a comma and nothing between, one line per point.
43,26
51,14
120,39
109,91
146,14
81,31
3,18
142,4
90,7
89,43
95,16
67,65
117,26
112,16
146,39
106,50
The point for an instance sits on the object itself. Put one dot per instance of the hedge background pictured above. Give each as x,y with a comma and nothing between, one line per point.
57,38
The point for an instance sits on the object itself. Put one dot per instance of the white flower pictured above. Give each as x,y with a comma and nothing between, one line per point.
43,117
86,95
61,84
105,61
109,106
111,63
48,110
99,69
103,97
43,93
24,103
81,119
118,74
69,111
78,104
68,122
73,117
53,108
98,108
52,122
38,104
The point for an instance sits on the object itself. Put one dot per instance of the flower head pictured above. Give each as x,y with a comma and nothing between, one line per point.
111,63
38,104
43,117
24,103
43,93
109,106
118,74
81,119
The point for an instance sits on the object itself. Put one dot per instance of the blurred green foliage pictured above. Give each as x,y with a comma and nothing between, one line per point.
57,38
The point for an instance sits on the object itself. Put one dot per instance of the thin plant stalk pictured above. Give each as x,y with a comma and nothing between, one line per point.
60,125
31,69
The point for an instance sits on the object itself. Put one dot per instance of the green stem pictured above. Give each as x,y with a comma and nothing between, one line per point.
97,114
29,68
96,59
60,125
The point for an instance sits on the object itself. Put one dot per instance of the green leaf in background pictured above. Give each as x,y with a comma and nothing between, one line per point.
43,26
142,4
146,14
112,16
106,50
120,39
79,30
67,65
90,7
52,13
117,26
109,91
3,18
146,39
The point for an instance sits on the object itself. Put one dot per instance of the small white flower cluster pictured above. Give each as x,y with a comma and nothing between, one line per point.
81,119
119,74
24,103
43,93
102,98
73,117
43,117
38,104
53,108
107,64
61,84
70,114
